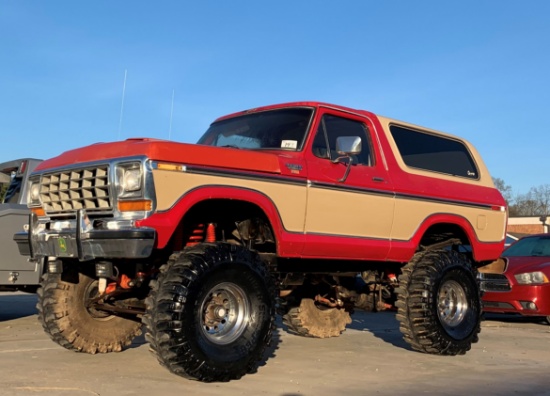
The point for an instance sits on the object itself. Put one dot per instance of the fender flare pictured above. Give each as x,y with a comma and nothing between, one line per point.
166,222
451,219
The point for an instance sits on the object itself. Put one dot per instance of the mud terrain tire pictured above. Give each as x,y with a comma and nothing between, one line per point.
210,315
439,303
308,320
64,316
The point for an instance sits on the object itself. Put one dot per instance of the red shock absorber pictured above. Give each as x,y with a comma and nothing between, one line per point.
391,276
211,233
197,236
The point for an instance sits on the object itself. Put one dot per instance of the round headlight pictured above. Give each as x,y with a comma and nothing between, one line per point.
132,180
35,192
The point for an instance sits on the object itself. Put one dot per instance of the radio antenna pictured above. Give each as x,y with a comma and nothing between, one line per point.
171,114
122,104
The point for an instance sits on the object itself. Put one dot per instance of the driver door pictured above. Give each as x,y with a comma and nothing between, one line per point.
349,218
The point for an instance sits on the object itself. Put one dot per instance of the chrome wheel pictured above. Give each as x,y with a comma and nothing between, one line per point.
225,313
452,304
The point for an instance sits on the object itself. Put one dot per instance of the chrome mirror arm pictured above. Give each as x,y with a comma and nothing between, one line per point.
348,168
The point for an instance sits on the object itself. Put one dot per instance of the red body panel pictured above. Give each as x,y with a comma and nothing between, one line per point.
166,151
339,247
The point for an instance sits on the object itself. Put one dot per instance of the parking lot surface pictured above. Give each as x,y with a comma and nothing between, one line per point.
370,358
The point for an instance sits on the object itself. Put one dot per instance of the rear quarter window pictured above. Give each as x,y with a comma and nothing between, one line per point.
434,153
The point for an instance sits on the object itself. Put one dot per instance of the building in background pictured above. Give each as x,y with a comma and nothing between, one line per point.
527,225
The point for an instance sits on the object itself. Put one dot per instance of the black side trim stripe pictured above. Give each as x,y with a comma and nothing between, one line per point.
247,175
303,182
444,201
387,193
413,197
352,189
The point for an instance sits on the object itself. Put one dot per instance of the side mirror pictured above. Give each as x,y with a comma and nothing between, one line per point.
346,146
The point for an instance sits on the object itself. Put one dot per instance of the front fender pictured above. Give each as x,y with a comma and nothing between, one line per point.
166,222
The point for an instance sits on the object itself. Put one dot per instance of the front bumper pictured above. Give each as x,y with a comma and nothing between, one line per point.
525,300
84,242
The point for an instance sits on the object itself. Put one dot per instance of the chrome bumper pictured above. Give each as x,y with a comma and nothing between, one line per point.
84,242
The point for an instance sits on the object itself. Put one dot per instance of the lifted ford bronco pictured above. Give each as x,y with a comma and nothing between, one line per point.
306,208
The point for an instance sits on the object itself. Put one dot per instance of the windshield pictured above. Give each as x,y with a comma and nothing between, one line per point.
529,247
274,129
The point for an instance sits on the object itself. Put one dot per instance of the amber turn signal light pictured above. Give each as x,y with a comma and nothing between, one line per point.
39,211
134,206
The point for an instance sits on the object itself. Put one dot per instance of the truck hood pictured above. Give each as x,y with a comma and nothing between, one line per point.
168,151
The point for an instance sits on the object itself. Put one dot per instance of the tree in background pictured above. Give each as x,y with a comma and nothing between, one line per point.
535,203
524,205
504,189
541,196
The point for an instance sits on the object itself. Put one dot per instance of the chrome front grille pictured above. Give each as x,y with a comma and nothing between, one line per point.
493,282
67,191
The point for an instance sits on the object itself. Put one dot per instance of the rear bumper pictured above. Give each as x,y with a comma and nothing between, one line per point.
85,243
522,299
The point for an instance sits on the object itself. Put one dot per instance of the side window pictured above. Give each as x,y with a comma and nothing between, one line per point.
434,153
332,127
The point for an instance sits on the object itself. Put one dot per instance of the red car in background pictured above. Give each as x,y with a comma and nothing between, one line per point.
519,282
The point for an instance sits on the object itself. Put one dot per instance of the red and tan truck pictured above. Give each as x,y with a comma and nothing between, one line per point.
308,209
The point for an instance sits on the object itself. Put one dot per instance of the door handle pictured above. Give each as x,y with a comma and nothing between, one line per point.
378,179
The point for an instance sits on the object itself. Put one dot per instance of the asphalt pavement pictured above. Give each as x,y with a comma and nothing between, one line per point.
369,358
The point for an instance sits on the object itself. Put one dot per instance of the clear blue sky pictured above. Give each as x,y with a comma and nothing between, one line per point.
477,69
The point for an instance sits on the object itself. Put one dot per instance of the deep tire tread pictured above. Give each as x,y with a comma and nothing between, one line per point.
416,307
71,327
166,308
308,321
